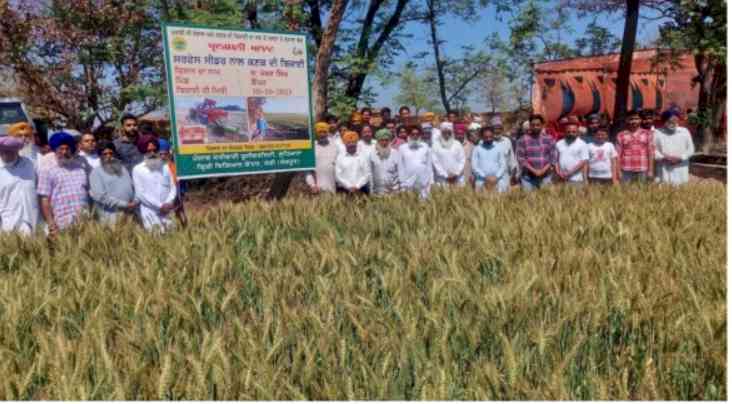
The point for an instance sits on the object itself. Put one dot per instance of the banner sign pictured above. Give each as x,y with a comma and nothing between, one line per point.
240,101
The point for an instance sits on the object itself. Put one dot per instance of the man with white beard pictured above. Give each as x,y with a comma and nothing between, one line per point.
30,150
18,200
505,143
110,187
415,165
448,158
384,165
155,189
63,187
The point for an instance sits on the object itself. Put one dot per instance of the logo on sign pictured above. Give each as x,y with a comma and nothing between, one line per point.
179,43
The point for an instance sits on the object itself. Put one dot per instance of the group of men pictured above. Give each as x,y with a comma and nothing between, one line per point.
378,158
131,177
134,176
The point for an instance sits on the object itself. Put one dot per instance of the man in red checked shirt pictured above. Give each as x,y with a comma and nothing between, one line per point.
635,150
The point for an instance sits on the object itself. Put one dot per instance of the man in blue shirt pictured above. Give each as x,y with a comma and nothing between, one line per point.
489,164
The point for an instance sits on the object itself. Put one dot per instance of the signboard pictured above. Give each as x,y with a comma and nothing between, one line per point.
240,101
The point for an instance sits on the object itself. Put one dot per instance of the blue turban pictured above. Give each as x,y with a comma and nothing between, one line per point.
163,145
669,113
62,138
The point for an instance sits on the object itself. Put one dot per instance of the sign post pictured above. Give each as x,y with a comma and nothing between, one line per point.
240,101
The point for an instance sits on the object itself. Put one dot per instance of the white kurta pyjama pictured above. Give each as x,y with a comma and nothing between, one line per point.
154,188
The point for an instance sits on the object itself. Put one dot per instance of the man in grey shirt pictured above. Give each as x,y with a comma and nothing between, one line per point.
110,187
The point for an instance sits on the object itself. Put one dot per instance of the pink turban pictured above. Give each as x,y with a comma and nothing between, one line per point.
11,143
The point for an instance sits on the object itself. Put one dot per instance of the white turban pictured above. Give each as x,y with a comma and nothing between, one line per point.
446,126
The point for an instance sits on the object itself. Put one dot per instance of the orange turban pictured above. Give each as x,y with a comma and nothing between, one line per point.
356,117
322,128
20,129
428,117
350,137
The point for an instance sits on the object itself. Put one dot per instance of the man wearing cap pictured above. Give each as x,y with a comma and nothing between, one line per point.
18,199
63,187
504,142
415,164
88,150
592,126
427,133
448,158
30,150
110,187
155,188
126,142
326,151
674,147
384,165
352,172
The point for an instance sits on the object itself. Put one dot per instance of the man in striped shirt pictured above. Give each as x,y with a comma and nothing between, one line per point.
536,155
635,150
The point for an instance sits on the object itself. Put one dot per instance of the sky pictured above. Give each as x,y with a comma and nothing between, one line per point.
457,33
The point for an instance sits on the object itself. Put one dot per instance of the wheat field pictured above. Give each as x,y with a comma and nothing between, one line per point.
605,294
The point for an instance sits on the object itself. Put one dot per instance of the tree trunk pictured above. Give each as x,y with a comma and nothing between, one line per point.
369,55
626,64
432,17
282,181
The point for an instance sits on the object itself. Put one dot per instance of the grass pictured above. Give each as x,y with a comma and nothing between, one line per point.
613,294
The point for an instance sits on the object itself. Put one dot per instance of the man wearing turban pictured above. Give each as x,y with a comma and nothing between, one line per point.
326,151
415,165
24,131
110,187
448,158
155,188
18,199
674,147
63,187
352,168
384,163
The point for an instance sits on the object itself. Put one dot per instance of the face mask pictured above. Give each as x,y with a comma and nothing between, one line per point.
351,148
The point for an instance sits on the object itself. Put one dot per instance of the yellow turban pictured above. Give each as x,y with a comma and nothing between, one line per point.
322,128
20,129
350,137
428,117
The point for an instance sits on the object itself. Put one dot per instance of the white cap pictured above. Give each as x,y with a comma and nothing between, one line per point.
474,126
446,126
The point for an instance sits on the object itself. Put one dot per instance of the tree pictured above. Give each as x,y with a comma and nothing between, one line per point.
83,61
414,90
701,26
597,40
453,76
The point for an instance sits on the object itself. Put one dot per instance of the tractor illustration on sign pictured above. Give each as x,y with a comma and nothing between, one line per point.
207,114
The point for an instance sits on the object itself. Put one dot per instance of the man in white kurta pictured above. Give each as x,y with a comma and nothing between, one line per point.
88,150
674,148
448,158
366,141
504,142
155,189
19,209
352,170
415,165
384,165
326,151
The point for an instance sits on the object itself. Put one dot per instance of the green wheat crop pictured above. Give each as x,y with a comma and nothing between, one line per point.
605,294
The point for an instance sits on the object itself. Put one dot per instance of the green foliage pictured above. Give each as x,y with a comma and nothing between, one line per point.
597,40
621,296
416,92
